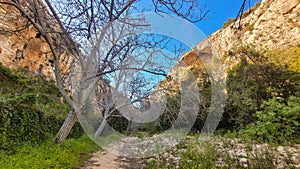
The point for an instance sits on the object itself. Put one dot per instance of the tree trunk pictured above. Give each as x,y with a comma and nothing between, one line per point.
101,127
128,127
65,129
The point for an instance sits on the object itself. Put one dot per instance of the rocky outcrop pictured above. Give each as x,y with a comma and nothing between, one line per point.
23,47
273,24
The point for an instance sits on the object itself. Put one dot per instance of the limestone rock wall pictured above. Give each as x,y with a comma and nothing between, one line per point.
273,24
26,48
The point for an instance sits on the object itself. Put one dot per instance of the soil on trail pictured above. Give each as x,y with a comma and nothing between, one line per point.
107,160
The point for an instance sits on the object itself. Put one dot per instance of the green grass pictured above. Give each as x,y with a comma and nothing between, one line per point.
71,154
31,113
201,156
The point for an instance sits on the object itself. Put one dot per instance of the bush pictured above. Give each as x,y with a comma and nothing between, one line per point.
255,79
279,121
30,109
289,57
228,22
202,155
118,122
170,114
20,121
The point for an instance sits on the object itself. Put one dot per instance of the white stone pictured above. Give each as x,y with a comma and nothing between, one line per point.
243,160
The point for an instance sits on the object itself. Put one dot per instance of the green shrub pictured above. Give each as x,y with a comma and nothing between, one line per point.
118,122
228,22
30,109
279,121
255,79
289,57
153,164
168,118
200,156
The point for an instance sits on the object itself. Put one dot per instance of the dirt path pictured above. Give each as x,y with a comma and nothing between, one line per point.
130,147
107,160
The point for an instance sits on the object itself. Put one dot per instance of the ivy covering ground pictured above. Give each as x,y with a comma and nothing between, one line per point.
31,113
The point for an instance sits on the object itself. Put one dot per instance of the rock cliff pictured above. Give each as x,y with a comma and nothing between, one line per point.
271,24
23,47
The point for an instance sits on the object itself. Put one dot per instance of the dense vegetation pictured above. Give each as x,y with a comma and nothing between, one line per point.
263,96
263,105
261,123
31,113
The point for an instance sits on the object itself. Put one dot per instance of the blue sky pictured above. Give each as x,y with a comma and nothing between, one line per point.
219,12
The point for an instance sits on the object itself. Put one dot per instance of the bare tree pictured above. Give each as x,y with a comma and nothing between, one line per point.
35,13
237,20
70,24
